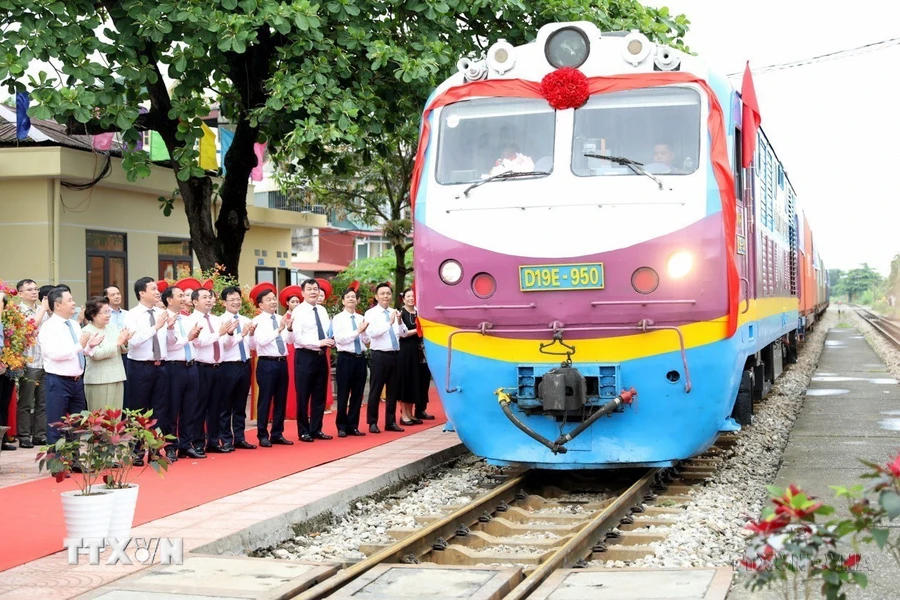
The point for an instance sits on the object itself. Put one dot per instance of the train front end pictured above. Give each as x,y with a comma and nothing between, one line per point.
575,282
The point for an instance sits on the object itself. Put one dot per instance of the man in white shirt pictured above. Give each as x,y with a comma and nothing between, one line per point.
64,347
208,347
184,381
271,340
309,324
350,338
31,418
235,373
148,381
385,328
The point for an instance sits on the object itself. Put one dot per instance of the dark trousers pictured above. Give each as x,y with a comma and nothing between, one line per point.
272,379
311,378
31,413
7,386
184,385
424,384
148,388
208,404
384,371
235,387
351,383
64,397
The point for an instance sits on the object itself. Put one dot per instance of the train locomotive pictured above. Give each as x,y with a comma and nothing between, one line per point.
600,283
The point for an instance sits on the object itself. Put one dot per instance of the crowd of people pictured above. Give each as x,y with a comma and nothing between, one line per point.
171,354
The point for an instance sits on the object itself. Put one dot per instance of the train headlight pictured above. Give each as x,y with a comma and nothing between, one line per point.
637,48
501,57
666,59
451,272
680,264
567,47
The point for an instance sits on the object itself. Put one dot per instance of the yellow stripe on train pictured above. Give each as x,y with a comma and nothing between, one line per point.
613,349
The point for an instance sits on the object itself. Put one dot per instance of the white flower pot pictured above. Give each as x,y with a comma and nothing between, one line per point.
87,517
122,512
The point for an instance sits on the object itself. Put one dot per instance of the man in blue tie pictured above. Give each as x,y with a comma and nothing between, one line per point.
235,374
271,340
350,337
385,328
63,347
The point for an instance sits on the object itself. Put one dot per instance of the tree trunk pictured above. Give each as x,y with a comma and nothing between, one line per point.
197,195
233,223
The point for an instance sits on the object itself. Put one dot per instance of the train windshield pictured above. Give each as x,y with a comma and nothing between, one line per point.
484,137
658,127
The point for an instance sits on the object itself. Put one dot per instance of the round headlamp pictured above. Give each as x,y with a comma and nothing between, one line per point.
567,47
501,57
637,47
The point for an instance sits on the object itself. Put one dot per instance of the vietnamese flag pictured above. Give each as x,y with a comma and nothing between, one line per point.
750,118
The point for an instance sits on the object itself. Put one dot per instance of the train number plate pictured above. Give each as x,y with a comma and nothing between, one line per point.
542,278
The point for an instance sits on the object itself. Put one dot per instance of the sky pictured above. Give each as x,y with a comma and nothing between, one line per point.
834,124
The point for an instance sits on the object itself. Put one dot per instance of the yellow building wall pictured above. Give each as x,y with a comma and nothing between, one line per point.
30,196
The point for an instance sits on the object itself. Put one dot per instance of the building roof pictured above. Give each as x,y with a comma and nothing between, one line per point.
45,133
319,266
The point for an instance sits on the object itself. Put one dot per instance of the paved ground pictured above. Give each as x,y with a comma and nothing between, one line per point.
851,412
256,517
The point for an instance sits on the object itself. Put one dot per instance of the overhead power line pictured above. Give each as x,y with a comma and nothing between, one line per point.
874,46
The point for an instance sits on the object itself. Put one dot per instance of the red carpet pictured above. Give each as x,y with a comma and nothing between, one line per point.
38,528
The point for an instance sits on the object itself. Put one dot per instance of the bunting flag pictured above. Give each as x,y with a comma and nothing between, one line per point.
226,137
103,141
23,123
257,173
158,150
750,118
208,161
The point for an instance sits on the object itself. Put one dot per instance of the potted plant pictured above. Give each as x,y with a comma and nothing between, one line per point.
130,429
87,448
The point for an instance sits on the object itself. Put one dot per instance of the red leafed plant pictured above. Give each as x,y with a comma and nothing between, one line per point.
790,550
565,88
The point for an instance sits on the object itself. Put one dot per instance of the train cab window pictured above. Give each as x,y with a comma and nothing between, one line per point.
658,127
483,137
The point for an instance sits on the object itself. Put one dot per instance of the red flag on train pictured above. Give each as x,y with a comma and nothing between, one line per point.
750,118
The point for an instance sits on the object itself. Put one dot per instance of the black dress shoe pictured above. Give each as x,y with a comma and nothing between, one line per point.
190,453
425,416
282,441
39,442
25,444
245,445
394,427
227,448
265,443
170,456
306,438
412,422
356,432
322,436
8,446
216,449
342,434
374,429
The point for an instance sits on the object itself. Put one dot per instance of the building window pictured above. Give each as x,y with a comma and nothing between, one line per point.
175,258
107,261
372,247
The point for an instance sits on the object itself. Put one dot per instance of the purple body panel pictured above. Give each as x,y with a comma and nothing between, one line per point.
699,296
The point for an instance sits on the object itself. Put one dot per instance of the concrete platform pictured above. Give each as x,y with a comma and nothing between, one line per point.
257,517
636,584
204,577
851,412
393,582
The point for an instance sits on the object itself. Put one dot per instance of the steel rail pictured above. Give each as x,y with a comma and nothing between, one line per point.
580,545
888,329
421,541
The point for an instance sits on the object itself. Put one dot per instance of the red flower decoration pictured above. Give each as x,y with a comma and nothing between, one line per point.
565,88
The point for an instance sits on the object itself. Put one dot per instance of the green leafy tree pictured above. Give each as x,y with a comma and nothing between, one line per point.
110,57
369,272
389,56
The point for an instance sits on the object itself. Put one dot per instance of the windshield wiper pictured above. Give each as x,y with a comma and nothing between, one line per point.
633,164
504,175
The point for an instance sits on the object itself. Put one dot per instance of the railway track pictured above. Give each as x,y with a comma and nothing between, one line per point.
543,521
889,328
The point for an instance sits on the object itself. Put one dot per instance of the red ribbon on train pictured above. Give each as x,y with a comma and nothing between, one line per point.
519,88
